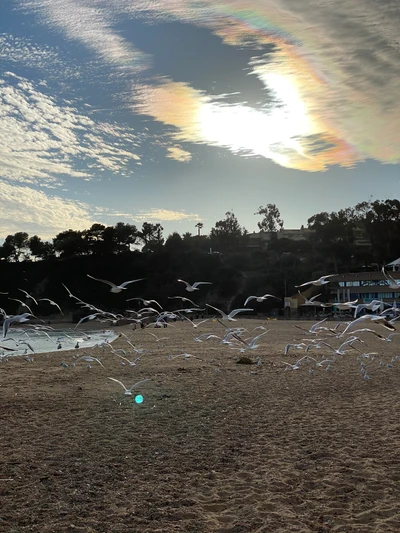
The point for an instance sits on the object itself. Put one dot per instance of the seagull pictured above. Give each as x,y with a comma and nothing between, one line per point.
184,355
340,350
191,321
323,280
183,299
22,303
260,299
252,344
28,295
51,302
88,359
145,302
231,314
16,318
391,281
115,288
376,319
372,306
128,392
313,328
310,301
300,346
194,287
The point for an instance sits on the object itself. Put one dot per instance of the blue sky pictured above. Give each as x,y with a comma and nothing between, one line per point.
176,112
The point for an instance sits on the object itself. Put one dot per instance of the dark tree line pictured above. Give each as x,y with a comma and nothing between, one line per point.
364,236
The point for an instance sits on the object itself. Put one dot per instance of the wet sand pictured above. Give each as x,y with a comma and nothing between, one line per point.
215,446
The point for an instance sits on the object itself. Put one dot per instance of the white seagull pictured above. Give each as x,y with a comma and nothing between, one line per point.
260,299
28,295
231,314
51,302
194,287
22,303
128,392
147,303
391,281
323,280
115,288
16,318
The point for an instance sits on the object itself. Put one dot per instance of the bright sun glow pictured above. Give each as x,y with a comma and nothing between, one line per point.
268,133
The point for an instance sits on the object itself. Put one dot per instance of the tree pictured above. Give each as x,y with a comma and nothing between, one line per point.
271,221
151,236
39,248
69,243
227,234
16,247
94,237
199,227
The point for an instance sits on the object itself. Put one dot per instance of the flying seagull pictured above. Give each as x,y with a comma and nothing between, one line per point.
231,314
194,287
128,392
28,295
323,280
115,288
260,299
51,302
145,302
16,318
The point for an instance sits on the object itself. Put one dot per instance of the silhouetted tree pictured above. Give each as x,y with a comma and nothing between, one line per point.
271,218
227,234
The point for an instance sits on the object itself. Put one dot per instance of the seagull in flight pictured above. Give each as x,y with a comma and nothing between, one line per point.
183,299
323,280
51,302
391,281
231,315
115,288
16,318
22,303
194,287
260,299
147,303
128,392
28,295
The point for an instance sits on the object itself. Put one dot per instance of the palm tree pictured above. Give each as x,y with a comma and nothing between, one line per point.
199,225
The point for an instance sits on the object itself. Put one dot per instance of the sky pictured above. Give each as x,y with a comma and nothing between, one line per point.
177,111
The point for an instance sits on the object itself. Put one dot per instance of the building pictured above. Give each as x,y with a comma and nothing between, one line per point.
261,239
364,286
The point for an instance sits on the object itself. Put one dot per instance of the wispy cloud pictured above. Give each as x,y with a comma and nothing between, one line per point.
25,209
42,139
160,215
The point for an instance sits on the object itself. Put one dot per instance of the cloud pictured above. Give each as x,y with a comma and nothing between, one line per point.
90,23
25,209
333,73
157,215
42,139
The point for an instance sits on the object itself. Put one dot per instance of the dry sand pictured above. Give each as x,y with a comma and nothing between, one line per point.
245,449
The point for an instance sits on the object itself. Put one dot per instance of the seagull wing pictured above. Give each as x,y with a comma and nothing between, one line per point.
135,384
103,281
28,295
22,303
237,311
125,283
304,285
116,381
249,299
197,283
185,282
224,315
270,296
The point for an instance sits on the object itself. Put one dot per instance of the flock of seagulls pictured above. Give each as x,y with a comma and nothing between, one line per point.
334,343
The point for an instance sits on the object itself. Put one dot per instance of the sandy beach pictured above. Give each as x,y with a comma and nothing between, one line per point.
215,447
